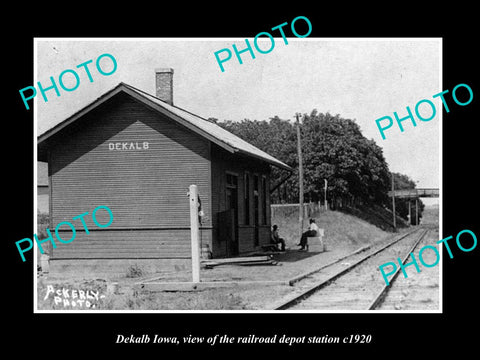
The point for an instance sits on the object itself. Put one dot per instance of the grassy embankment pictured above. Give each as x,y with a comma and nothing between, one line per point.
341,230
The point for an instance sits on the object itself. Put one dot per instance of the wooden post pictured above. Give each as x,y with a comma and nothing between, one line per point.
194,233
416,211
300,176
393,205
409,212
326,205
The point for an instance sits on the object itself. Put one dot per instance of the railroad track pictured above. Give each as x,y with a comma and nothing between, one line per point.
384,291
354,282
417,292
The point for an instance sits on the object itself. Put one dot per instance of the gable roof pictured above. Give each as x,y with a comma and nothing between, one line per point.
197,124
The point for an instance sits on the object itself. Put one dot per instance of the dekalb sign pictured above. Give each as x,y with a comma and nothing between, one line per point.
125,146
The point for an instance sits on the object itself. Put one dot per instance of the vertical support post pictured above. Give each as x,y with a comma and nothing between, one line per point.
416,210
409,212
393,205
194,232
300,176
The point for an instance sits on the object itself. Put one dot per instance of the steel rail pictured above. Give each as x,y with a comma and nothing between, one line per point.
300,277
386,288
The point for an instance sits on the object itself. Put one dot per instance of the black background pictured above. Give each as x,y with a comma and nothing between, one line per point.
94,334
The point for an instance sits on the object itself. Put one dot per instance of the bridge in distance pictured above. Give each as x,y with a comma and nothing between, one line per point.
416,193
412,194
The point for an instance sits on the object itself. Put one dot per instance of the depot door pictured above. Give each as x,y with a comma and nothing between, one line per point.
231,194
256,213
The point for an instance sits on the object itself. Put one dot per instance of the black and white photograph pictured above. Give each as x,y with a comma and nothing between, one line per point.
289,181
221,180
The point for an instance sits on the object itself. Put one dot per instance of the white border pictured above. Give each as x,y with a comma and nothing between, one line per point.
373,312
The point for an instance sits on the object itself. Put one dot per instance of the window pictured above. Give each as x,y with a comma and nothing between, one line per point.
247,199
264,200
231,180
231,197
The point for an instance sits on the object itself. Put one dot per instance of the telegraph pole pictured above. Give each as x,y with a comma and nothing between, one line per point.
300,175
393,205
326,205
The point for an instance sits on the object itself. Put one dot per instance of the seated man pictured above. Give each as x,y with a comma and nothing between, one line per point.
276,239
312,231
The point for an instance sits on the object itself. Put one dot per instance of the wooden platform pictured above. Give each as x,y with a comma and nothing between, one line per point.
203,285
241,261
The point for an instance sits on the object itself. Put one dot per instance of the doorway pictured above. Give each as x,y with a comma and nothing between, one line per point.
231,197
256,205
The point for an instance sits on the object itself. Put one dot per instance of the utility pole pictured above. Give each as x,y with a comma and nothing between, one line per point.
416,205
326,205
393,205
300,175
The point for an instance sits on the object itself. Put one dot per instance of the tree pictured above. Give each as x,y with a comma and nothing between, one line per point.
336,150
276,137
333,149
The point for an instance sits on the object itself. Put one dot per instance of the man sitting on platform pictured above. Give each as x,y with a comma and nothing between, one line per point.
276,239
312,231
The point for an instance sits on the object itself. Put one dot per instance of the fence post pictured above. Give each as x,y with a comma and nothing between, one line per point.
194,233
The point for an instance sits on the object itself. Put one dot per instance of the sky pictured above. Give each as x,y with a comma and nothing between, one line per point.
359,79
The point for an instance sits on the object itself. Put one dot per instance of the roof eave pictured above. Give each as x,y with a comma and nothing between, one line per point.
72,118
153,105
178,119
277,163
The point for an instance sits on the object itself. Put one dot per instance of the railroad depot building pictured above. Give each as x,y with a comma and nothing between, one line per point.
138,154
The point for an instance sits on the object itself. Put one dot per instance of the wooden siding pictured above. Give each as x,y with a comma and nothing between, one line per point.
128,244
146,189
143,188
265,234
247,236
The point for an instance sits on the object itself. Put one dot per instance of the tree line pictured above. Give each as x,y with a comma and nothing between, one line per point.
333,149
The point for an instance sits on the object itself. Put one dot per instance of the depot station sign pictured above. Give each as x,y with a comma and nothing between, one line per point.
125,146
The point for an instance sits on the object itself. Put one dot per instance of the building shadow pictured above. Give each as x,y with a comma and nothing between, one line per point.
292,255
